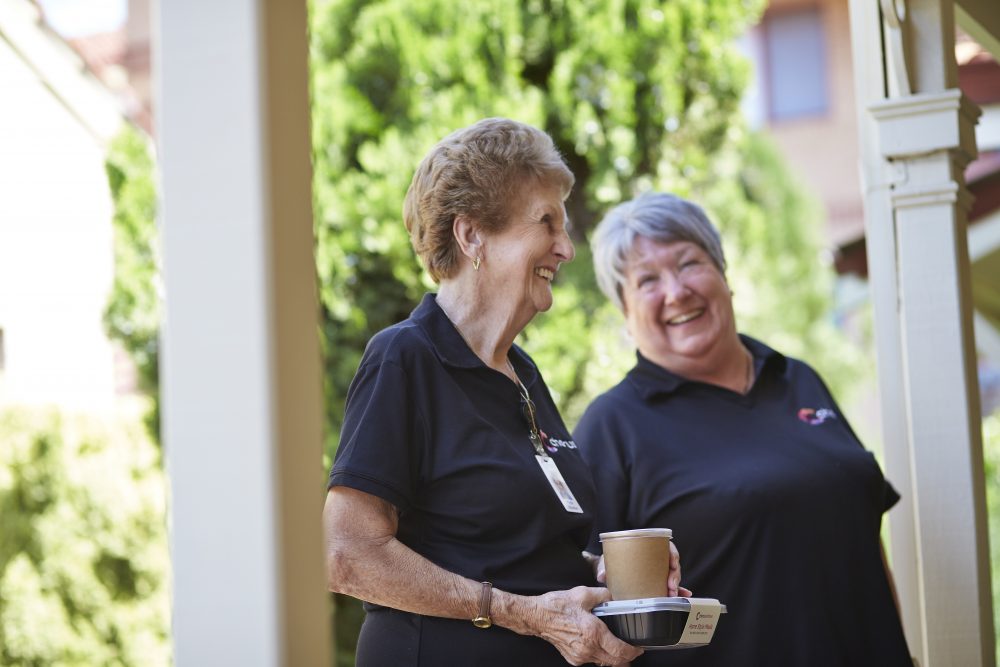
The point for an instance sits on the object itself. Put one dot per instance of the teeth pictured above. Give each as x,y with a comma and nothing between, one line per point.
545,273
686,317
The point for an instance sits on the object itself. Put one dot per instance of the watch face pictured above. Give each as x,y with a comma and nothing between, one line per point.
482,622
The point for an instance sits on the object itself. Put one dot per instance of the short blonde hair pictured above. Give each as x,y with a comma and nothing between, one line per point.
477,172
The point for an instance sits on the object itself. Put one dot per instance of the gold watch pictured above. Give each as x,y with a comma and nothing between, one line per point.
482,619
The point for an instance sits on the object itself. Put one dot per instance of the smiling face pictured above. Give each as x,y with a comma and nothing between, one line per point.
678,306
523,258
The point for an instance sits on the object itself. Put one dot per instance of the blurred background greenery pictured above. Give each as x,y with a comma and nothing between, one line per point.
637,94
83,545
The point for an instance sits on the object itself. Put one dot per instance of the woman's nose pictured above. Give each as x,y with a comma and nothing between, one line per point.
674,289
564,249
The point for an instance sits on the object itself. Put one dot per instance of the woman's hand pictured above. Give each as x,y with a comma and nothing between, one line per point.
564,619
674,587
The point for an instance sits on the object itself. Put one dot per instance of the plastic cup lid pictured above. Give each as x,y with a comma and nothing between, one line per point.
640,532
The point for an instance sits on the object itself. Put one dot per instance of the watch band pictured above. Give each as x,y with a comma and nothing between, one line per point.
483,619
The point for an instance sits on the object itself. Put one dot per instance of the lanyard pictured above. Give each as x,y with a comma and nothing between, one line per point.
547,464
528,411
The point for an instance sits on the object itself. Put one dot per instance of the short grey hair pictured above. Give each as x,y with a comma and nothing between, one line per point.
659,217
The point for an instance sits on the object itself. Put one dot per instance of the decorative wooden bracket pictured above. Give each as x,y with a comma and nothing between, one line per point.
897,41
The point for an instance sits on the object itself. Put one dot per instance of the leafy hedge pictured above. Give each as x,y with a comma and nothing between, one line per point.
83,549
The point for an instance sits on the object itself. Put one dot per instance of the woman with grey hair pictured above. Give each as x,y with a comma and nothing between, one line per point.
458,505
742,452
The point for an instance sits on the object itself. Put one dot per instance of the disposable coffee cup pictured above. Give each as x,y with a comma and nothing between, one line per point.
636,562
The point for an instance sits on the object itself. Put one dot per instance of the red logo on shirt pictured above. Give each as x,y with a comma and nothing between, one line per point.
548,445
816,417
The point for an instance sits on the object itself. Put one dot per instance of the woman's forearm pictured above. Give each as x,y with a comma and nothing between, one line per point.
366,561
388,573
393,575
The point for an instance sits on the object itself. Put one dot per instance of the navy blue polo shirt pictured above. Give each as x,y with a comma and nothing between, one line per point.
774,504
434,431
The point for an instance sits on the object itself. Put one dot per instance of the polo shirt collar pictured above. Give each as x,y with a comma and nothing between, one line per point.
650,379
452,350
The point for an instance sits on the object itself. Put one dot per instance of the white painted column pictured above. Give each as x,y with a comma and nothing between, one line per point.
880,239
918,137
240,375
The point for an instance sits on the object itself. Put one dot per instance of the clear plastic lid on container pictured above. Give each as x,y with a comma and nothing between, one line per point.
639,532
615,607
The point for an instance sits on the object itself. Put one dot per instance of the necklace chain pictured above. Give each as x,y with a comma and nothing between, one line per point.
749,378
513,373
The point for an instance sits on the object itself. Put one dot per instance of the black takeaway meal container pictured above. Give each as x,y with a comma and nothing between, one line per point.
662,623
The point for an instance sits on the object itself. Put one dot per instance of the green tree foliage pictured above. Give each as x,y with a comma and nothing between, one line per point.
991,461
132,315
83,549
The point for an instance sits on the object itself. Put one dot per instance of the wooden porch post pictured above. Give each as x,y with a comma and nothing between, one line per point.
241,365
916,138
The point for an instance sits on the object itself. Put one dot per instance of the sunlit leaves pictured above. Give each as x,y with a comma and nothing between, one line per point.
83,550
991,469
133,312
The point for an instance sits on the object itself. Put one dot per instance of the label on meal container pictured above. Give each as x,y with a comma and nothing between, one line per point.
701,622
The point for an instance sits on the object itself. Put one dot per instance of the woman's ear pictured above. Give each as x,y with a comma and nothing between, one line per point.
468,237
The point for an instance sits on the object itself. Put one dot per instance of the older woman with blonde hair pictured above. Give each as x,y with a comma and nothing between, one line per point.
742,452
458,504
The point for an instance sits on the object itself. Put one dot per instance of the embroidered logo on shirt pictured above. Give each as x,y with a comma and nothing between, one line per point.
816,417
554,444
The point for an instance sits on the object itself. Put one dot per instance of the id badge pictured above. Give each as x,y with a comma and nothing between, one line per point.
559,484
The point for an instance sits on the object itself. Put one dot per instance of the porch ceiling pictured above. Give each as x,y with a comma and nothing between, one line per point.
981,19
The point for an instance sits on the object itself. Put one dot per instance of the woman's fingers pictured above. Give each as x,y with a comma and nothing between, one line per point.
581,637
604,648
674,575
616,652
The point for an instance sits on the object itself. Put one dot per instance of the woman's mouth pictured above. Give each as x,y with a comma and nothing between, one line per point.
542,272
685,317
